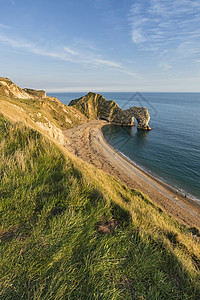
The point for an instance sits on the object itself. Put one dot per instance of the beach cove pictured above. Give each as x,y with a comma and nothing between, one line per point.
171,150
87,142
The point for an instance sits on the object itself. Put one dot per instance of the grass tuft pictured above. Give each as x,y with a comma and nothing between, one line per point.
51,208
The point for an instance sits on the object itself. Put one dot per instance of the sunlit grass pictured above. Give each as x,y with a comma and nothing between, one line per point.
51,248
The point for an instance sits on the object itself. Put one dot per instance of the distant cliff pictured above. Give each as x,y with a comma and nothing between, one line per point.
38,110
95,106
36,93
9,89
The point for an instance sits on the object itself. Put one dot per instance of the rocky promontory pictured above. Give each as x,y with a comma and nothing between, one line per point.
41,94
95,106
9,89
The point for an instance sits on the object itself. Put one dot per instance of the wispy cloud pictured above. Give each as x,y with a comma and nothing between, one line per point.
16,43
161,24
108,63
70,51
68,54
165,66
137,36
89,58
4,26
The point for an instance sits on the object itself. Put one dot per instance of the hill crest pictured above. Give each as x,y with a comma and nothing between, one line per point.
10,89
37,110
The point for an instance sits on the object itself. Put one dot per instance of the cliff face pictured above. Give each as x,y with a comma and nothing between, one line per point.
95,106
38,110
36,93
9,89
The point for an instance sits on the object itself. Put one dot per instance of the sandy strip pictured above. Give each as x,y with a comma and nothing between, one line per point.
87,142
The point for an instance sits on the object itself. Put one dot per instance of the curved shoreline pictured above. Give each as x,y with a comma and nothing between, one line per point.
87,142
170,188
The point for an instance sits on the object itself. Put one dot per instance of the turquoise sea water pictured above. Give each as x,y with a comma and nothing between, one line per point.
171,150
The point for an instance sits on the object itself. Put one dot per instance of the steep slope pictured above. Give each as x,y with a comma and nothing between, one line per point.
69,231
36,93
9,89
95,106
38,110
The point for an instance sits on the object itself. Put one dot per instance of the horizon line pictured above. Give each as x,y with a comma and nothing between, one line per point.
112,91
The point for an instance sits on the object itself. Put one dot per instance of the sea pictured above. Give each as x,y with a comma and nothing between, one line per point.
171,150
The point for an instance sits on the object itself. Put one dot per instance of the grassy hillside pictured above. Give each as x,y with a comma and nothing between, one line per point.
51,108
47,115
69,231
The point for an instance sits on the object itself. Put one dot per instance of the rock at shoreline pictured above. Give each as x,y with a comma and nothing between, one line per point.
95,106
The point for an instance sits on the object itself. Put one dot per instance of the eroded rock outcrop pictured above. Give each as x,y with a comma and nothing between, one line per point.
36,93
95,106
9,89
47,113
142,116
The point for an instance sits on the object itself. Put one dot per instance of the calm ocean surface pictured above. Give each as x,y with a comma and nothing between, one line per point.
171,150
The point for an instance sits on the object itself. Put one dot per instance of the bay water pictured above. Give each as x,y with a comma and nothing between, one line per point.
171,150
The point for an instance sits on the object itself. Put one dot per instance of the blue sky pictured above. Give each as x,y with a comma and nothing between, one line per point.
101,45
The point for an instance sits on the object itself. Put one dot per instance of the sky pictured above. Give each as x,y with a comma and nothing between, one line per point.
101,45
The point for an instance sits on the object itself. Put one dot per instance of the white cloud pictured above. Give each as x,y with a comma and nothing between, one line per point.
70,51
169,29
165,66
4,26
16,43
164,21
137,36
108,63
88,57
67,54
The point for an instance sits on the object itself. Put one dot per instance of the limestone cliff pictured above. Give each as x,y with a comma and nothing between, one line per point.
95,106
38,110
9,89
36,93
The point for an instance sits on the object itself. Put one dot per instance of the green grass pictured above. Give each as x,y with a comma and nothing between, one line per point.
44,111
50,208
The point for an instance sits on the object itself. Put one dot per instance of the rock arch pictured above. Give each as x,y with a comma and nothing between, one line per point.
95,106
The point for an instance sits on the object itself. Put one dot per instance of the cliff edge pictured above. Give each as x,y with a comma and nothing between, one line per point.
9,89
38,110
95,106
